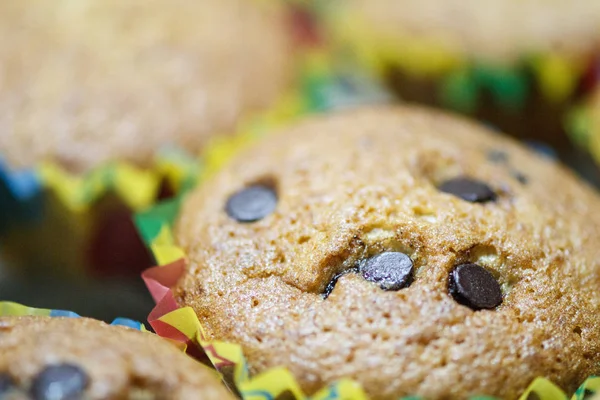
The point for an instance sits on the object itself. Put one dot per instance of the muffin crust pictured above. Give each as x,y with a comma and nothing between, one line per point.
119,362
356,184
85,82
499,31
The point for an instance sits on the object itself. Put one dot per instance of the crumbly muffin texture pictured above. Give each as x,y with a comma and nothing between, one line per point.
412,251
492,30
85,358
84,82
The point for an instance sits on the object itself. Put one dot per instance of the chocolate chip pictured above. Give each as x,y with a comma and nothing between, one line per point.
251,204
520,177
59,382
497,156
332,283
474,287
391,270
6,383
468,189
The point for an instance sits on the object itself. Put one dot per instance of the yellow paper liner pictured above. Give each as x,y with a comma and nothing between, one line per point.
11,309
556,75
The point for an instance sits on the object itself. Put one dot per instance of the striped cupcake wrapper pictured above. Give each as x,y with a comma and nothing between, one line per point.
10,309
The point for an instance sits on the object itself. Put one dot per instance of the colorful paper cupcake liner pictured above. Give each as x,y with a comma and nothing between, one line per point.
181,324
42,203
461,80
10,309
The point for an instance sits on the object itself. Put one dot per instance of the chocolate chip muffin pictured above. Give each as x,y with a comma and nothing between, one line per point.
499,30
70,358
413,251
86,82
517,64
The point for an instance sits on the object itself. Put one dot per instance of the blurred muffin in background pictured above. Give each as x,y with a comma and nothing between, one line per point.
86,82
514,64
91,93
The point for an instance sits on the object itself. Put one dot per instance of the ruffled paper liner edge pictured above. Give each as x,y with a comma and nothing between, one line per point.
461,78
136,186
181,324
12,309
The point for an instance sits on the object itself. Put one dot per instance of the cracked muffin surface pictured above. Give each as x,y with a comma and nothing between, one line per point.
85,82
413,251
53,357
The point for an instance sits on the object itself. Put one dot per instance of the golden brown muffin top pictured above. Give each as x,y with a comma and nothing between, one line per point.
83,82
115,362
495,30
333,192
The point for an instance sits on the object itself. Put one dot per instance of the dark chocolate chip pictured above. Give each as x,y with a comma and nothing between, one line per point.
497,156
520,177
391,270
474,287
333,281
59,382
468,189
6,383
251,204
